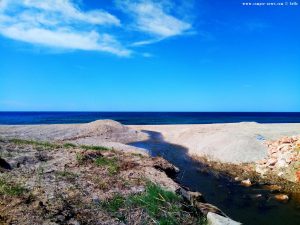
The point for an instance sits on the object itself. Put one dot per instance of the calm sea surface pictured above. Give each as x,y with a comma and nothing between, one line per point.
142,118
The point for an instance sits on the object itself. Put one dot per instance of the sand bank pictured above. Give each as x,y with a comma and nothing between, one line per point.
231,142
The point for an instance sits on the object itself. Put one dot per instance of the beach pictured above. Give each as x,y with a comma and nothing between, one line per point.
240,145
228,142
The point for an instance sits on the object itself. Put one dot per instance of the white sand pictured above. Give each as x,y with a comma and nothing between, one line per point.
231,142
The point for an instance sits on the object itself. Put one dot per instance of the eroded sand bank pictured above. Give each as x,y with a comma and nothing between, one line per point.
231,142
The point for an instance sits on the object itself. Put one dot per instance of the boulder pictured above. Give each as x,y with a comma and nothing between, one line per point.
215,219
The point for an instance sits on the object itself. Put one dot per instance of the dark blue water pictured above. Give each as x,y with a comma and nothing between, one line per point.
143,118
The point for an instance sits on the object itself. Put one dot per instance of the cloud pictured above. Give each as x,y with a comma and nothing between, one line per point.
155,19
69,39
71,12
63,24
59,24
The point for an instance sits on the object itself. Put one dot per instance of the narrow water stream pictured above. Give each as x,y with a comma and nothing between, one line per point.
251,206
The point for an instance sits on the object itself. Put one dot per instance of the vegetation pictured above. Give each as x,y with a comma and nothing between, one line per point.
10,189
69,145
98,148
45,145
162,207
79,158
111,164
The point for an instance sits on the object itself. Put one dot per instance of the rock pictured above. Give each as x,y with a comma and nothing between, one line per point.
281,163
237,179
246,183
215,219
288,160
190,196
263,161
163,165
280,174
206,208
272,161
274,150
281,197
286,140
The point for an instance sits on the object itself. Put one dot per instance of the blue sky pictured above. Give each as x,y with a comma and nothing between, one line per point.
148,55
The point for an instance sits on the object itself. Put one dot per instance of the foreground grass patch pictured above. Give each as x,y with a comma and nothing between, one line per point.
46,145
10,189
162,207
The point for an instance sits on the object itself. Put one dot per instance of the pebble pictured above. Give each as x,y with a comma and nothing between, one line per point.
281,197
246,183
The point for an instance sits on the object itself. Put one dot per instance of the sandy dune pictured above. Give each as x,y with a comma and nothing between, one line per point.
231,142
106,133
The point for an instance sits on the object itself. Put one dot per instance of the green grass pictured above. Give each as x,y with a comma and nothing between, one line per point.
114,204
46,145
97,148
79,158
163,207
69,145
111,164
49,145
10,189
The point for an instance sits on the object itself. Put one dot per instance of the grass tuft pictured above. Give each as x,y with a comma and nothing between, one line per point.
46,145
162,207
97,148
69,145
10,189
111,164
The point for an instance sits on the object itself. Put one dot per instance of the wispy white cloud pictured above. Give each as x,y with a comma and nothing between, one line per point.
63,24
59,24
155,19
71,12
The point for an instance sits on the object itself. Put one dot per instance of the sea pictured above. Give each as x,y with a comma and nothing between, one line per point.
144,118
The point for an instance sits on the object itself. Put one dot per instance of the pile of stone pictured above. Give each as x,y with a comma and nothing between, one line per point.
281,154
